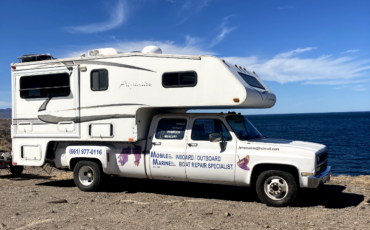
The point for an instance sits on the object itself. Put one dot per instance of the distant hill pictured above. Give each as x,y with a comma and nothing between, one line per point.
6,113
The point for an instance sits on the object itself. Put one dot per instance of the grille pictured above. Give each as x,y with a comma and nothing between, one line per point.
322,157
321,168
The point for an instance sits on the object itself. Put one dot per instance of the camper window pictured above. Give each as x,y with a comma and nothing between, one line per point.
47,85
179,79
252,81
171,129
99,80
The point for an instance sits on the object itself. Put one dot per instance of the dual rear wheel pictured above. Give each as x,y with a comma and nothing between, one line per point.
88,175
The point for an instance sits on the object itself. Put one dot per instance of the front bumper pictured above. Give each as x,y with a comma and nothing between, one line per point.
315,181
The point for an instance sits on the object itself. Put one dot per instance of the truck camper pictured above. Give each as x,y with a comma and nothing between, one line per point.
125,114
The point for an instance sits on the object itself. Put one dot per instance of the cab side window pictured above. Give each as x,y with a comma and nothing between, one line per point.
203,127
171,129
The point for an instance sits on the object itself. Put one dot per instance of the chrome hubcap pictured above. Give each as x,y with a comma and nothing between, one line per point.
86,175
276,188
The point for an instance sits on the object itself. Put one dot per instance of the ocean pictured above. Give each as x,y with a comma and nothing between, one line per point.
347,136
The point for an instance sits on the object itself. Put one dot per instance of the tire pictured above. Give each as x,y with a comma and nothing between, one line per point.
16,170
276,188
88,176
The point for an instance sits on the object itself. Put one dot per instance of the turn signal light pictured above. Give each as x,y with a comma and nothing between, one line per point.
236,99
14,163
131,139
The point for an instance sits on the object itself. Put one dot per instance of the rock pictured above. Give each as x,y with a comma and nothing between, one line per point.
189,214
57,201
208,213
367,200
227,214
17,214
52,211
2,225
265,226
74,202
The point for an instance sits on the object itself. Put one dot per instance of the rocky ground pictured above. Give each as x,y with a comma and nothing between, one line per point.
39,200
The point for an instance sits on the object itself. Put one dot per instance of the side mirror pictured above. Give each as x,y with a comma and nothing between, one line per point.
214,137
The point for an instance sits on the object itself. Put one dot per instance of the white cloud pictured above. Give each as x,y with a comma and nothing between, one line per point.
5,103
288,67
359,88
285,7
336,82
189,8
350,51
118,14
340,87
224,30
293,52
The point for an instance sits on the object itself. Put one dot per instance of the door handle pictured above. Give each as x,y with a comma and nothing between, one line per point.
193,144
157,143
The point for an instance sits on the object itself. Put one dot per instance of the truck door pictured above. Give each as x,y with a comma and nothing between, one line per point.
168,147
206,161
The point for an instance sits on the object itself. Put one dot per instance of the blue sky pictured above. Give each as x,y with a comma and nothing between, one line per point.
315,55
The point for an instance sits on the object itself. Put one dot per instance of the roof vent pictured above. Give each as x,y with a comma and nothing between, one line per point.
102,52
35,57
152,50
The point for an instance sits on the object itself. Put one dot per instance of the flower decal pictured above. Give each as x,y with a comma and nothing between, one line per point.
243,163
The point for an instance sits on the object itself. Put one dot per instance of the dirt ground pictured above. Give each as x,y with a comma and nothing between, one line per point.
38,200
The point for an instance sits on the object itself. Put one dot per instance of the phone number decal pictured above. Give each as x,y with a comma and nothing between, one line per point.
86,151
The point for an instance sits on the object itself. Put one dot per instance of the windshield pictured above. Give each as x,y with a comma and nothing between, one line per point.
242,128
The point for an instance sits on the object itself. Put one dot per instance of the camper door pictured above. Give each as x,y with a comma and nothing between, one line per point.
46,102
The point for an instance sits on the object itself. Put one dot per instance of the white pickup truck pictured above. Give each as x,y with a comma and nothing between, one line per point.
207,148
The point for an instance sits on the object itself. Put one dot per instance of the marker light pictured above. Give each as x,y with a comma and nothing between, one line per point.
13,67
236,99
14,163
306,174
244,68
223,60
240,67
83,68
254,72
236,65
131,139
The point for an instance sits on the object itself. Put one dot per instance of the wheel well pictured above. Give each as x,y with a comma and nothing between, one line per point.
258,169
74,161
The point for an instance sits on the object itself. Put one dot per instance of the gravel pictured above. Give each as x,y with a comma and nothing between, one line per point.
38,200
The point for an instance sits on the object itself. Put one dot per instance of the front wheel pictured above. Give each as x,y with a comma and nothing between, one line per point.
87,175
276,188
